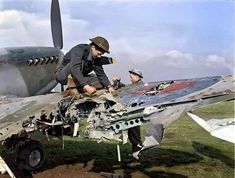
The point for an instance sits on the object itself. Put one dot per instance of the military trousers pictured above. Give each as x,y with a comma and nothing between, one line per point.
91,79
135,138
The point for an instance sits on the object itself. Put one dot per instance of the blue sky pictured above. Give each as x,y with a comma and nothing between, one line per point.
165,39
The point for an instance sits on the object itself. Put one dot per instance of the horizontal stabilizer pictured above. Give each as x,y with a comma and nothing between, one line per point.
221,128
226,133
200,122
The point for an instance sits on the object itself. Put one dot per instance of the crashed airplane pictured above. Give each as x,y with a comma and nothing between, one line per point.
108,117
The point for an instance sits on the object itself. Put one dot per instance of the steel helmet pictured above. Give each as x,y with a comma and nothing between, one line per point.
101,42
136,72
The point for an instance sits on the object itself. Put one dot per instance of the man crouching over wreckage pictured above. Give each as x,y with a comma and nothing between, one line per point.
79,62
75,72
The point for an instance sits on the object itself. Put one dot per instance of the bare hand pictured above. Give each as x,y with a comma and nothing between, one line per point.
89,89
111,89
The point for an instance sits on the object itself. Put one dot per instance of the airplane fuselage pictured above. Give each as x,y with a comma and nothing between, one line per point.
27,71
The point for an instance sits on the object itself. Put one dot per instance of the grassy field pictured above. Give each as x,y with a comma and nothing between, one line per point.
186,151
189,150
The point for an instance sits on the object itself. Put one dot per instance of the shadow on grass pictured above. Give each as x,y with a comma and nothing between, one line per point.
154,174
102,157
213,153
157,157
161,174
168,157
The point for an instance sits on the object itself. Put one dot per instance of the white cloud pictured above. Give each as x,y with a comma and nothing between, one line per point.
177,58
158,52
168,65
101,2
117,1
8,16
215,60
19,28
74,31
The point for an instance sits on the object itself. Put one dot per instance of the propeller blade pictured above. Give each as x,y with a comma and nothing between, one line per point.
56,26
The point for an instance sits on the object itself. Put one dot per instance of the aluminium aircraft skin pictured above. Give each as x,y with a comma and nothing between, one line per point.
28,71
159,104
180,92
159,107
108,117
26,77
221,128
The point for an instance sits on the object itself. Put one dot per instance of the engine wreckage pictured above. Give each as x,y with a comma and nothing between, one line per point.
109,117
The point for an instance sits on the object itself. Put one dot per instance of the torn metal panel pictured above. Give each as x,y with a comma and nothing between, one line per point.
12,118
108,117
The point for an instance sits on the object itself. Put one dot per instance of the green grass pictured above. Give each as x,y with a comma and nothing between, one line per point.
192,152
186,151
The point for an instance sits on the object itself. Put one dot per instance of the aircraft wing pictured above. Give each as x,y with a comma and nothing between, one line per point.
14,111
109,117
221,128
162,114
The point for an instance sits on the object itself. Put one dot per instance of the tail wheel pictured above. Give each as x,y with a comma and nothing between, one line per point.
30,156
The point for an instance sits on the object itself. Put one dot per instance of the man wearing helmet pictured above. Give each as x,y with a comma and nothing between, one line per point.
134,133
80,61
135,76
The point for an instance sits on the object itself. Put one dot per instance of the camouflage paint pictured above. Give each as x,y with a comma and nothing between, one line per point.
176,90
26,71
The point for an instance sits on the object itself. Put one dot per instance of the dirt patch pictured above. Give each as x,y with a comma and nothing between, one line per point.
91,169
80,170
71,171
